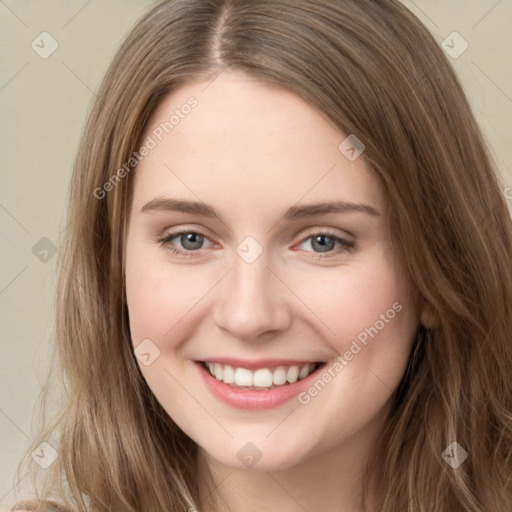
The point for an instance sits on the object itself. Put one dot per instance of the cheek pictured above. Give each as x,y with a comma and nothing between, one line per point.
365,311
350,299
162,297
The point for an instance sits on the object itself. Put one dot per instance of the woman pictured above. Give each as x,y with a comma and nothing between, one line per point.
287,283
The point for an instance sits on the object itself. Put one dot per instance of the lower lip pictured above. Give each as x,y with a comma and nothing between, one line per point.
251,399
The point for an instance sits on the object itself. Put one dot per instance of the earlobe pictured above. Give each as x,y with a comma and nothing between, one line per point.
428,318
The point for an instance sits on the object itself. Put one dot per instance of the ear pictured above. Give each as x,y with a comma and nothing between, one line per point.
427,317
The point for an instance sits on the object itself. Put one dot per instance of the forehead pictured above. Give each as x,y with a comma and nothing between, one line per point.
254,145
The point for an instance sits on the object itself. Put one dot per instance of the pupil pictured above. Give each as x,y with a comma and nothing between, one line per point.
192,241
323,246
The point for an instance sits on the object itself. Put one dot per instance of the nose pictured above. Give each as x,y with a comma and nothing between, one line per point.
251,301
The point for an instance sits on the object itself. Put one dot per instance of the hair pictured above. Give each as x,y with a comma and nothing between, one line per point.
375,71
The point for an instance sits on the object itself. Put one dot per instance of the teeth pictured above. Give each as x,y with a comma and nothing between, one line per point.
304,371
279,376
292,375
243,377
229,375
261,378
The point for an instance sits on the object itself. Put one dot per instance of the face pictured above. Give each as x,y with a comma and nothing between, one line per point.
235,266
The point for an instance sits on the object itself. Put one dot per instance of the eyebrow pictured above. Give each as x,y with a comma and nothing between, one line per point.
295,212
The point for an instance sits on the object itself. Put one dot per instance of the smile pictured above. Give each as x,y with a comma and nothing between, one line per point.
262,378
265,385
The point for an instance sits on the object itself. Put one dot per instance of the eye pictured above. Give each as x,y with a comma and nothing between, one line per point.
190,241
324,244
327,244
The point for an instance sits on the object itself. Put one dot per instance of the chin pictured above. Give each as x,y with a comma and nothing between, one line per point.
258,456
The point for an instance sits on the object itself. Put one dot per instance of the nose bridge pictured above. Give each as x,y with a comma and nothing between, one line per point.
250,304
250,280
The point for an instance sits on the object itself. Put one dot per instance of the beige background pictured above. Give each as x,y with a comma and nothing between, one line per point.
43,106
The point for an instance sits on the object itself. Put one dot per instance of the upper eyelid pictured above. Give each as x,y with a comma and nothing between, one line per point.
314,231
175,234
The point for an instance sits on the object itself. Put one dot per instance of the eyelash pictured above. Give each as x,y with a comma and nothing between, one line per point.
345,244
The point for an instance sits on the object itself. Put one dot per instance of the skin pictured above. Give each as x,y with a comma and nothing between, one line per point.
251,151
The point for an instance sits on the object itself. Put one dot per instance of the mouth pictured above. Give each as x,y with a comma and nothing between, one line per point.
260,379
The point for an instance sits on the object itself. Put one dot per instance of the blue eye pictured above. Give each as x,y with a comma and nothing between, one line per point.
323,244
190,241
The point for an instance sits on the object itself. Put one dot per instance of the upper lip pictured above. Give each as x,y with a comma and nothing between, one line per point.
254,364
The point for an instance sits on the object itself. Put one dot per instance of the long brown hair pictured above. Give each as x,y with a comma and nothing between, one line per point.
375,71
